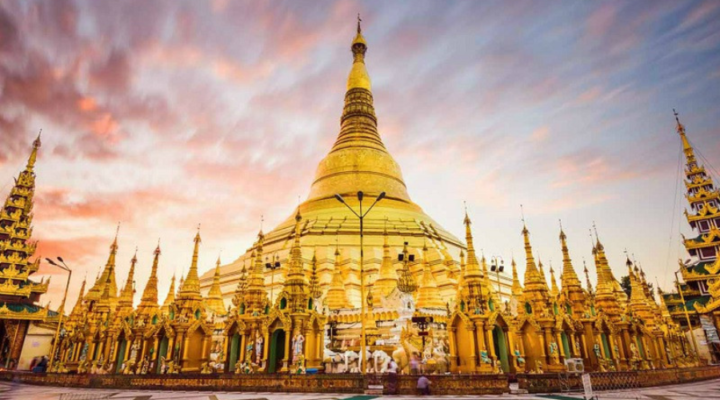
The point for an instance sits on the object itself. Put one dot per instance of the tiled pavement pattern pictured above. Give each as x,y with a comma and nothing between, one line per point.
9,391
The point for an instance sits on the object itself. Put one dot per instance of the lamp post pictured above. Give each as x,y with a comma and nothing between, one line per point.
361,216
60,319
497,265
272,266
687,316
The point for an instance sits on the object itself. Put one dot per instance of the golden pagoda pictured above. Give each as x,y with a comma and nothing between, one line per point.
416,289
358,161
18,293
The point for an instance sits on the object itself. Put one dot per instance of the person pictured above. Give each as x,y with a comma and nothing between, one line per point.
392,377
414,364
424,385
41,366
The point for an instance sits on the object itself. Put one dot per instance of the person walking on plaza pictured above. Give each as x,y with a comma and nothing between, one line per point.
424,385
392,377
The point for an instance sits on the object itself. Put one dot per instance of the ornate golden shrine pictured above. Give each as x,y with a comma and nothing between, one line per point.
311,320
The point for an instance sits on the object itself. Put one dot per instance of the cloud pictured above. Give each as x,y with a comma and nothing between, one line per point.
167,114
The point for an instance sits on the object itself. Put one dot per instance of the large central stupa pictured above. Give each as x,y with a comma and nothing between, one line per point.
358,161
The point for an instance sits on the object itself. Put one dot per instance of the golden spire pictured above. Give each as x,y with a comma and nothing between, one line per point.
78,302
359,150
609,296
255,294
336,295
388,279
33,154
428,294
170,298
16,222
126,296
687,148
554,291
190,289
572,290
149,300
568,278
359,77
214,300
587,278
638,303
472,269
536,289
296,284
541,270
517,288
314,288
107,277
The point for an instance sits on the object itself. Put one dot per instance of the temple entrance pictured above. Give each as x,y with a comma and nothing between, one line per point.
122,348
161,353
532,347
566,345
194,352
277,351
233,351
501,348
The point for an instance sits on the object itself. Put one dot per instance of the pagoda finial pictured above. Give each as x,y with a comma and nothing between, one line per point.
587,276
359,77
126,296
149,300
554,291
33,154
568,277
190,287
687,148
215,301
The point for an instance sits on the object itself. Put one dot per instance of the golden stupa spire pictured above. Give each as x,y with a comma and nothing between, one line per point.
572,290
107,277
609,296
190,289
359,148
472,269
638,303
214,299
687,148
170,298
388,279
568,278
587,278
358,77
239,296
126,296
517,288
33,154
78,302
16,220
255,294
428,294
541,270
296,284
336,295
536,289
554,291
149,300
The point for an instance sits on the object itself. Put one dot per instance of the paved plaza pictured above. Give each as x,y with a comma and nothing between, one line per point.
11,391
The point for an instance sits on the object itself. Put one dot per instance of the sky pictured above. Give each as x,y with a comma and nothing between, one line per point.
168,114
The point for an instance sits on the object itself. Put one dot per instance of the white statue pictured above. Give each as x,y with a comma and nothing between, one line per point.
297,344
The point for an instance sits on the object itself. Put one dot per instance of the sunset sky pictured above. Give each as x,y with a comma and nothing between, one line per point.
165,114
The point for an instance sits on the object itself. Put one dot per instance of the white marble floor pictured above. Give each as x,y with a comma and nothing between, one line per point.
10,391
